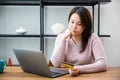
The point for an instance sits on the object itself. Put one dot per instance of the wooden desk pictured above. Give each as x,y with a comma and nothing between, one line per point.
15,73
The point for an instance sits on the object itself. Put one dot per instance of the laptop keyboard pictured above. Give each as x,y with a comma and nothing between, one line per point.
54,73
56,70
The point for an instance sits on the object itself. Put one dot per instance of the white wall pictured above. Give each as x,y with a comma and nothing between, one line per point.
13,17
110,19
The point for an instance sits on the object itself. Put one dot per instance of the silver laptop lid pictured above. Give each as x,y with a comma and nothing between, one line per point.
32,61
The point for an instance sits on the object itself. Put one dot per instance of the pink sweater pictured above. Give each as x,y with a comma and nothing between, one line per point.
93,59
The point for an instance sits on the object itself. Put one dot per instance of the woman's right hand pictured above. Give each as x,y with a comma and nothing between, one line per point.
74,71
66,34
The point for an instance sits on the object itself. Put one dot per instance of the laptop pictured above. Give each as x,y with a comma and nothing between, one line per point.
35,62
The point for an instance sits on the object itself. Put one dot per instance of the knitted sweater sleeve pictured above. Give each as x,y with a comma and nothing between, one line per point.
100,63
58,54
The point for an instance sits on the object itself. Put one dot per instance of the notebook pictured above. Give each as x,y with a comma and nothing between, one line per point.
35,62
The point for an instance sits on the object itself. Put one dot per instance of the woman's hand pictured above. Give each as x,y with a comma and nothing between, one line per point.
67,34
74,71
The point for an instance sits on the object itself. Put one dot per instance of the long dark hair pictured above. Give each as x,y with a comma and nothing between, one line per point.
86,23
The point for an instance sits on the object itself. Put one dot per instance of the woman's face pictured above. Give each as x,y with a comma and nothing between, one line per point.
75,25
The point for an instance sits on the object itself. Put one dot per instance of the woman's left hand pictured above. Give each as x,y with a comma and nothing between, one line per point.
74,71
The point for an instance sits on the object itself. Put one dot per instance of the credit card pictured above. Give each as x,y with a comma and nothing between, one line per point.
68,65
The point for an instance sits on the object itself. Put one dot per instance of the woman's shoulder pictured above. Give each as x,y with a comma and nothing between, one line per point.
94,37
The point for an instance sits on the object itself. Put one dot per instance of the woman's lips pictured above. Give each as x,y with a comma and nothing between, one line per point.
74,31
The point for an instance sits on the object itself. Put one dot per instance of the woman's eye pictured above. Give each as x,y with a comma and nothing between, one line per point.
72,22
79,24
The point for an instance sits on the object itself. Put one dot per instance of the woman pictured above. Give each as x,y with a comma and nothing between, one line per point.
79,46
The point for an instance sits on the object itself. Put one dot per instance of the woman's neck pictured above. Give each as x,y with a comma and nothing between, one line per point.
76,39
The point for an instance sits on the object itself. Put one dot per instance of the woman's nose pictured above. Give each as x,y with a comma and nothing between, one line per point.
74,25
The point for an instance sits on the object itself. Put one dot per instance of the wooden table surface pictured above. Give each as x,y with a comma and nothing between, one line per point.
15,73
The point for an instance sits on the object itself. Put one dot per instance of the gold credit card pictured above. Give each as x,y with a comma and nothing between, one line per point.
68,65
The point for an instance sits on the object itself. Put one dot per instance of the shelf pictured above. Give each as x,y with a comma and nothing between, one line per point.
56,35
17,35
49,35
68,2
20,2
73,2
53,2
33,35
102,35
43,3
26,35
